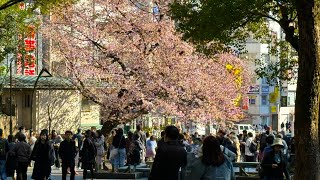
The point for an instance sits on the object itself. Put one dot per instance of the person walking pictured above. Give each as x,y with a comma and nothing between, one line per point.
56,140
32,142
134,152
151,148
109,142
236,144
67,153
213,163
11,158
22,130
170,157
44,156
99,143
22,151
88,154
248,153
143,139
274,164
78,138
4,149
119,144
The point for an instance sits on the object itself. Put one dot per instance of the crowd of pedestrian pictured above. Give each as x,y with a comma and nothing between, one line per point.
174,155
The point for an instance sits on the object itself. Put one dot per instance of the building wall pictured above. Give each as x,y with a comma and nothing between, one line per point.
258,96
58,109
90,118
21,109
271,113
66,111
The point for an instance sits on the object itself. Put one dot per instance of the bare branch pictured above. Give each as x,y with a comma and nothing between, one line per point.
9,4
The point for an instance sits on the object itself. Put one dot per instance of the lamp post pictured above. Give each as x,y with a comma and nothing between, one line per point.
43,73
10,92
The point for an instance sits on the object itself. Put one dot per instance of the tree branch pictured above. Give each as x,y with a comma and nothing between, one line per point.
288,30
264,15
9,4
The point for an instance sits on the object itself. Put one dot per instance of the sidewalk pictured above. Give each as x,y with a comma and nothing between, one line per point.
56,174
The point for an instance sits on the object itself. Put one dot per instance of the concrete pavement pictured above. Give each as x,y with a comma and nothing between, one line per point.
56,174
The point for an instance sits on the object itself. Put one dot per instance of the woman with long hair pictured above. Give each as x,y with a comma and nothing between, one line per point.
212,164
44,156
119,143
88,154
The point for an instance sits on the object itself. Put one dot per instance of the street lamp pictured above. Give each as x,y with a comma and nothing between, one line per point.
43,73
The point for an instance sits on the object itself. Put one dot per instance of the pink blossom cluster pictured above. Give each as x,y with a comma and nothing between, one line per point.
130,60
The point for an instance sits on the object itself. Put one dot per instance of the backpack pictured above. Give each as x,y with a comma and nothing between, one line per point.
253,147
2,147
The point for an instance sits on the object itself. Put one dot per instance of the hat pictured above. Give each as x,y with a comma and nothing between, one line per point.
277,142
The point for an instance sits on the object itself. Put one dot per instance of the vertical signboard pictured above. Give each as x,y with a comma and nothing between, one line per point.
27,50
30,49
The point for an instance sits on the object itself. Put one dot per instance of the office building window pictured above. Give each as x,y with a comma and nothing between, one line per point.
264,100
252,100
291,98
27,100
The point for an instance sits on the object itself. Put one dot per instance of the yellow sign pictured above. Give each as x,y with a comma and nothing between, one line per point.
273,109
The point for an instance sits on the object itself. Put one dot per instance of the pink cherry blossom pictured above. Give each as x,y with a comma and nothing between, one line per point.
131,61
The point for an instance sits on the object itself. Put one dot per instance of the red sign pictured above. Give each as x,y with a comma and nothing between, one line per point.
30,44
245,103
26,61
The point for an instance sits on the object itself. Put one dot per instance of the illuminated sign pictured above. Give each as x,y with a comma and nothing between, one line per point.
26,56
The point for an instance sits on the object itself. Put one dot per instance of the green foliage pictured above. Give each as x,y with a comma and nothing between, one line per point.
47,5
284,69
215,25
226,22
14,21
3,70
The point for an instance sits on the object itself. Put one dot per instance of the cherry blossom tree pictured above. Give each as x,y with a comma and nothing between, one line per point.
127,57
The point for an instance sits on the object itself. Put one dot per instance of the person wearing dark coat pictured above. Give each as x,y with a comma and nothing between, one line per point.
67,152
134,151
88,154
170,157
43,155
273,162
22,151
11,158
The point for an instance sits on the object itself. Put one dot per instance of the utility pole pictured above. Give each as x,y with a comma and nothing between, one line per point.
10,92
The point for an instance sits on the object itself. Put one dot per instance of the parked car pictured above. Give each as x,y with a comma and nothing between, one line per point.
238,128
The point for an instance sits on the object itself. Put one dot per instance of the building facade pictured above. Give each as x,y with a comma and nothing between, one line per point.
269,103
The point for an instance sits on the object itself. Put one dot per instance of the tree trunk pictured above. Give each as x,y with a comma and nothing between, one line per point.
308,91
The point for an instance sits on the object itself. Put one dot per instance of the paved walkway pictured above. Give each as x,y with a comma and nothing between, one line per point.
56,175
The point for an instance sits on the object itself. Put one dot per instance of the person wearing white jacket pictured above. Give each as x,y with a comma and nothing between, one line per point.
249,155
99,142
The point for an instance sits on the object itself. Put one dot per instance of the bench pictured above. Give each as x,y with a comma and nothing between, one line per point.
243,165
